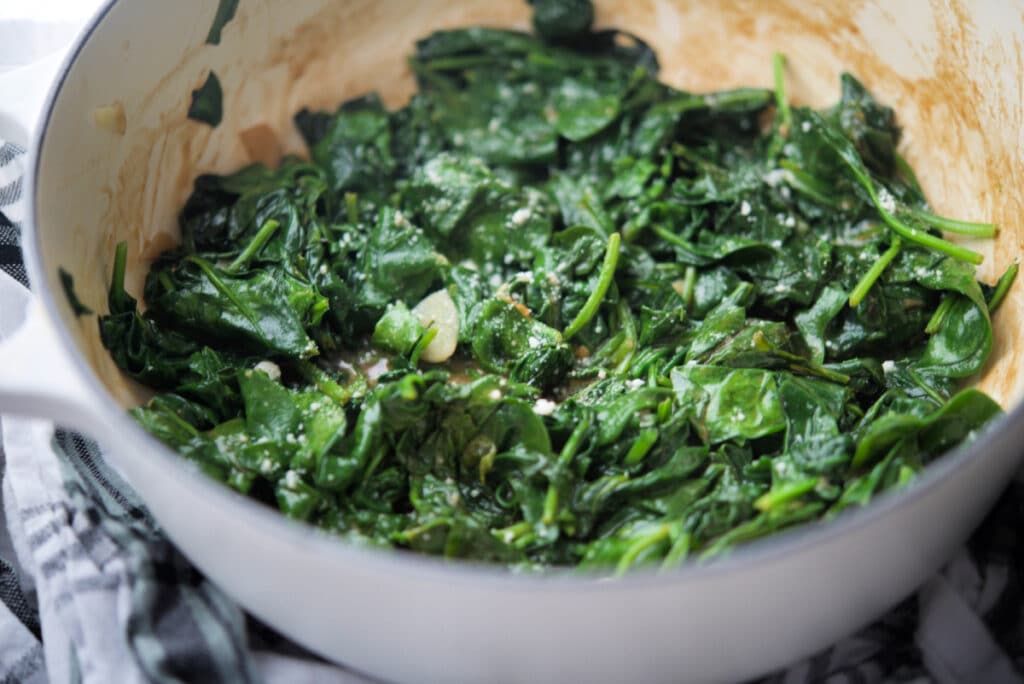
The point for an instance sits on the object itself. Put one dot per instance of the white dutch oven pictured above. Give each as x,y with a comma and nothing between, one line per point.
952,69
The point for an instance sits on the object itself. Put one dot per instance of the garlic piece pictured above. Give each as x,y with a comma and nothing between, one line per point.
111,118
437,310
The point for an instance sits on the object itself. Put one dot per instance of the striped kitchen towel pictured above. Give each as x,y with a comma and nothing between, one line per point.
11,211
92,591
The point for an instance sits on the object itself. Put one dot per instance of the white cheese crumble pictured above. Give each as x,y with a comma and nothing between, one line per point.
521,216
888,366
270,368
886,200
544,407
635,383
745,208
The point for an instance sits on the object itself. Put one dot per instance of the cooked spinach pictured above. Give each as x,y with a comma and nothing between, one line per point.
225,12
553,311
208,102
68,283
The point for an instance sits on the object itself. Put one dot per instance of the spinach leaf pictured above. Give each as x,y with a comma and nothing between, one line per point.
225,12
208,102
68,283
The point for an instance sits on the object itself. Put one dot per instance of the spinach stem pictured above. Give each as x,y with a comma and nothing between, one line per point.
985,230
255,245
352,207
117,299
860,291
593,303
785,493
678,552
1002,287
928,240
565,457
324,382
937,319
907,232
643,543
425,339
643,444
689,286
781,103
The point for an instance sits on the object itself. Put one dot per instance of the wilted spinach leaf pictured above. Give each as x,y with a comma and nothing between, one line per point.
225,12
208,102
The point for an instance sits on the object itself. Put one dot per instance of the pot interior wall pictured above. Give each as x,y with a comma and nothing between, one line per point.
950,69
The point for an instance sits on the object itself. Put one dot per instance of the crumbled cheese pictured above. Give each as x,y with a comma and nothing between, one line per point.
805,126
775,177
888,366
544,407
745,208
524,277
291,479
635,383
270,368
400,220
494,394
323,269
602,374
315,406
521,216
266,466
781,287
886,201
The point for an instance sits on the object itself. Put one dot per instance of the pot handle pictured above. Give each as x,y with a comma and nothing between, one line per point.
36,377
